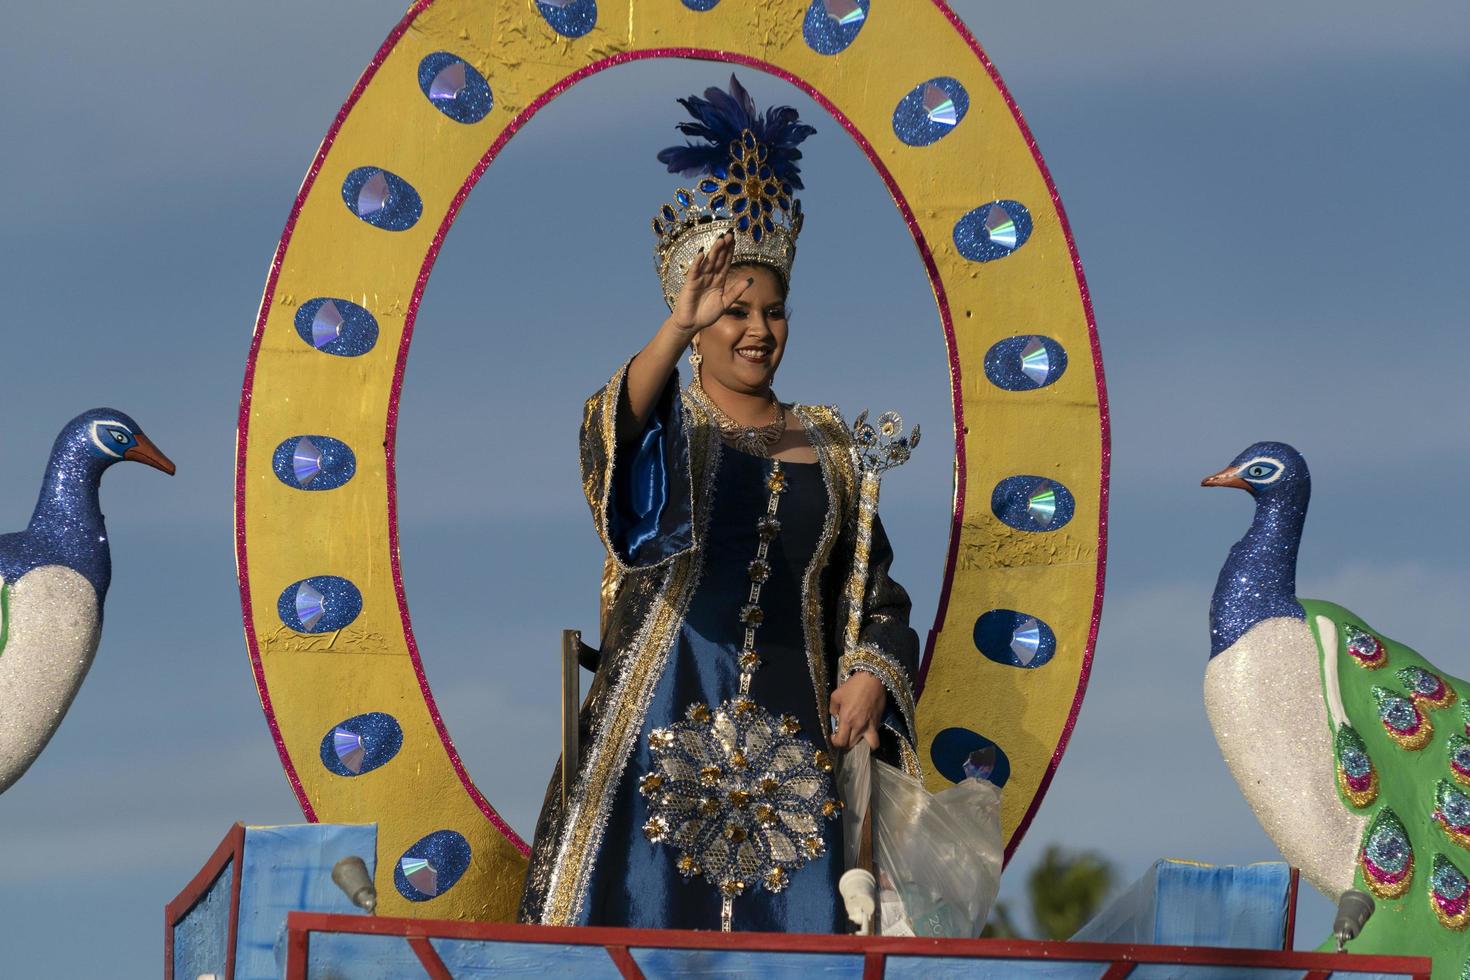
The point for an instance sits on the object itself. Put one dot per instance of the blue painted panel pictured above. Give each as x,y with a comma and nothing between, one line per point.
673,964
343,956
202,939
955,968
468,959
288,869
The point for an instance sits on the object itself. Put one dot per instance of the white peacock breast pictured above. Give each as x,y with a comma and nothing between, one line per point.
51,631
1264,699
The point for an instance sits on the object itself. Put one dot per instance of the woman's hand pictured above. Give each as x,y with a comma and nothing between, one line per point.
857,707
708,290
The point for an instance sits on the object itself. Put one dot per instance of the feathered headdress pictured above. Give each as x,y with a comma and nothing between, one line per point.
749,173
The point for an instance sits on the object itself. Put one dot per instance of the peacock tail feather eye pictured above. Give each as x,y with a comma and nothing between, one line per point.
1452,812
1366,649
1402,719
1449,894
1386,858
1356,776
1459,751
1426,687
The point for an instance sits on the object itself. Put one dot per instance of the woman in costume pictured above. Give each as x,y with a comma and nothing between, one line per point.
704,795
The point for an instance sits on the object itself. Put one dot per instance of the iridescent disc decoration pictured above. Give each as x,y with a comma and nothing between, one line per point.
314,462
830,26
320,604
1014,638
961,754
930,111
993,231
361,744
1032,503
337,327
455,88
382,199
432,866
1386,857
1025,363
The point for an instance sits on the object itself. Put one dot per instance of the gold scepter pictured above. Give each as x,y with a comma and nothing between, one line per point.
876,449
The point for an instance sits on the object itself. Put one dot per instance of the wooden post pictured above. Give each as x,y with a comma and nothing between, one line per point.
571,703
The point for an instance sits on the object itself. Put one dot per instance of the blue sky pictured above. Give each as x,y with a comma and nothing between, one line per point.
1268,200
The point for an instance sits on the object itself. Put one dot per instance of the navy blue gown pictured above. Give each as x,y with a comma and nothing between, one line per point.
635,882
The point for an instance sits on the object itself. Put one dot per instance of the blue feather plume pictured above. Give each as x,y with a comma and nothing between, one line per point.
720,117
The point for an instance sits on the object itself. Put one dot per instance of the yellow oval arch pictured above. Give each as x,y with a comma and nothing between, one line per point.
335,378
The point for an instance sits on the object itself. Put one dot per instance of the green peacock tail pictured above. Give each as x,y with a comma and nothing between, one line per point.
1397,735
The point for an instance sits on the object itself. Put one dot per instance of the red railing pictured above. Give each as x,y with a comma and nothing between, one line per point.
230,851
1121,957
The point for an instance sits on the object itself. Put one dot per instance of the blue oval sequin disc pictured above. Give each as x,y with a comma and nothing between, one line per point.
382,199
1014,638
320,604
454,87
313,462
931,111
361,744
432,866
961,754
831,25
336,326
992,231
1032,503
1025,363
569,18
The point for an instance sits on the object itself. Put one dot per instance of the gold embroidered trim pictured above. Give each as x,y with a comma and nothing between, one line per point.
581,832
895,679
827,437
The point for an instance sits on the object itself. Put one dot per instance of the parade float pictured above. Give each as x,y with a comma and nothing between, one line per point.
406,868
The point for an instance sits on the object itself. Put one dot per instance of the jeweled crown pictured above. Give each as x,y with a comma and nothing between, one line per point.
748,178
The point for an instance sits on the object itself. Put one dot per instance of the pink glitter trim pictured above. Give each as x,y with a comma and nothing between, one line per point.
242,562
432,254
1106,453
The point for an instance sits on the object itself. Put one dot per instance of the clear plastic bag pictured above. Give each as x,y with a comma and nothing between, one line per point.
938,856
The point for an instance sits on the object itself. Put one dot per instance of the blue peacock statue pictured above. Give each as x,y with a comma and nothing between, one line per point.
53,579
1351,748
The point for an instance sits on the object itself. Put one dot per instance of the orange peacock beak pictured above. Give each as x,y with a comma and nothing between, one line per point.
1226,478
146,452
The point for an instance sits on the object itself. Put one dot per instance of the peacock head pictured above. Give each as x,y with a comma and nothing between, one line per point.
1266,470
104,436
